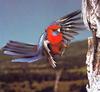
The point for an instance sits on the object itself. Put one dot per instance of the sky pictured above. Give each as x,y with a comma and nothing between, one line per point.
25,20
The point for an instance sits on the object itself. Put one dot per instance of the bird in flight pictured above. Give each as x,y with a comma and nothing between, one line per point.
52,42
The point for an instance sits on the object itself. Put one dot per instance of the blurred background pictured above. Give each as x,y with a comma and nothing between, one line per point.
68,76
24,21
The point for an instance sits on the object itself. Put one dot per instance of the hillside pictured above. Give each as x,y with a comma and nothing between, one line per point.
40,76
75,50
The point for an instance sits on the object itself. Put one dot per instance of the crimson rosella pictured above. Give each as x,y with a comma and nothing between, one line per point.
53,41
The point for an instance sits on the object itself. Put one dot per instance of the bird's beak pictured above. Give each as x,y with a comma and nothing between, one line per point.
58,30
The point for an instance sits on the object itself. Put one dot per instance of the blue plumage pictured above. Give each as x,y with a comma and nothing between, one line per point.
25,52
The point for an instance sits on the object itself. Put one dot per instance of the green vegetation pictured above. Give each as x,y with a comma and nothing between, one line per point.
40,76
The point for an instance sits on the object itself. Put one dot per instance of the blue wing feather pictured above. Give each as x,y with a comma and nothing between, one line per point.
23,52
29,60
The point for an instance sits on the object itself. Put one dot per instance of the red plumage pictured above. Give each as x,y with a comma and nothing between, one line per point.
55,40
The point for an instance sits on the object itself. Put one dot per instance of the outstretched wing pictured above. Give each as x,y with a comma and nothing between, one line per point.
23,52
70,25
19,49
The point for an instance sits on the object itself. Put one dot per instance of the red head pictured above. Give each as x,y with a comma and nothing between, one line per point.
53,27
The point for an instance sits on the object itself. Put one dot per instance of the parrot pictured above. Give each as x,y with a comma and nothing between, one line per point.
53,41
